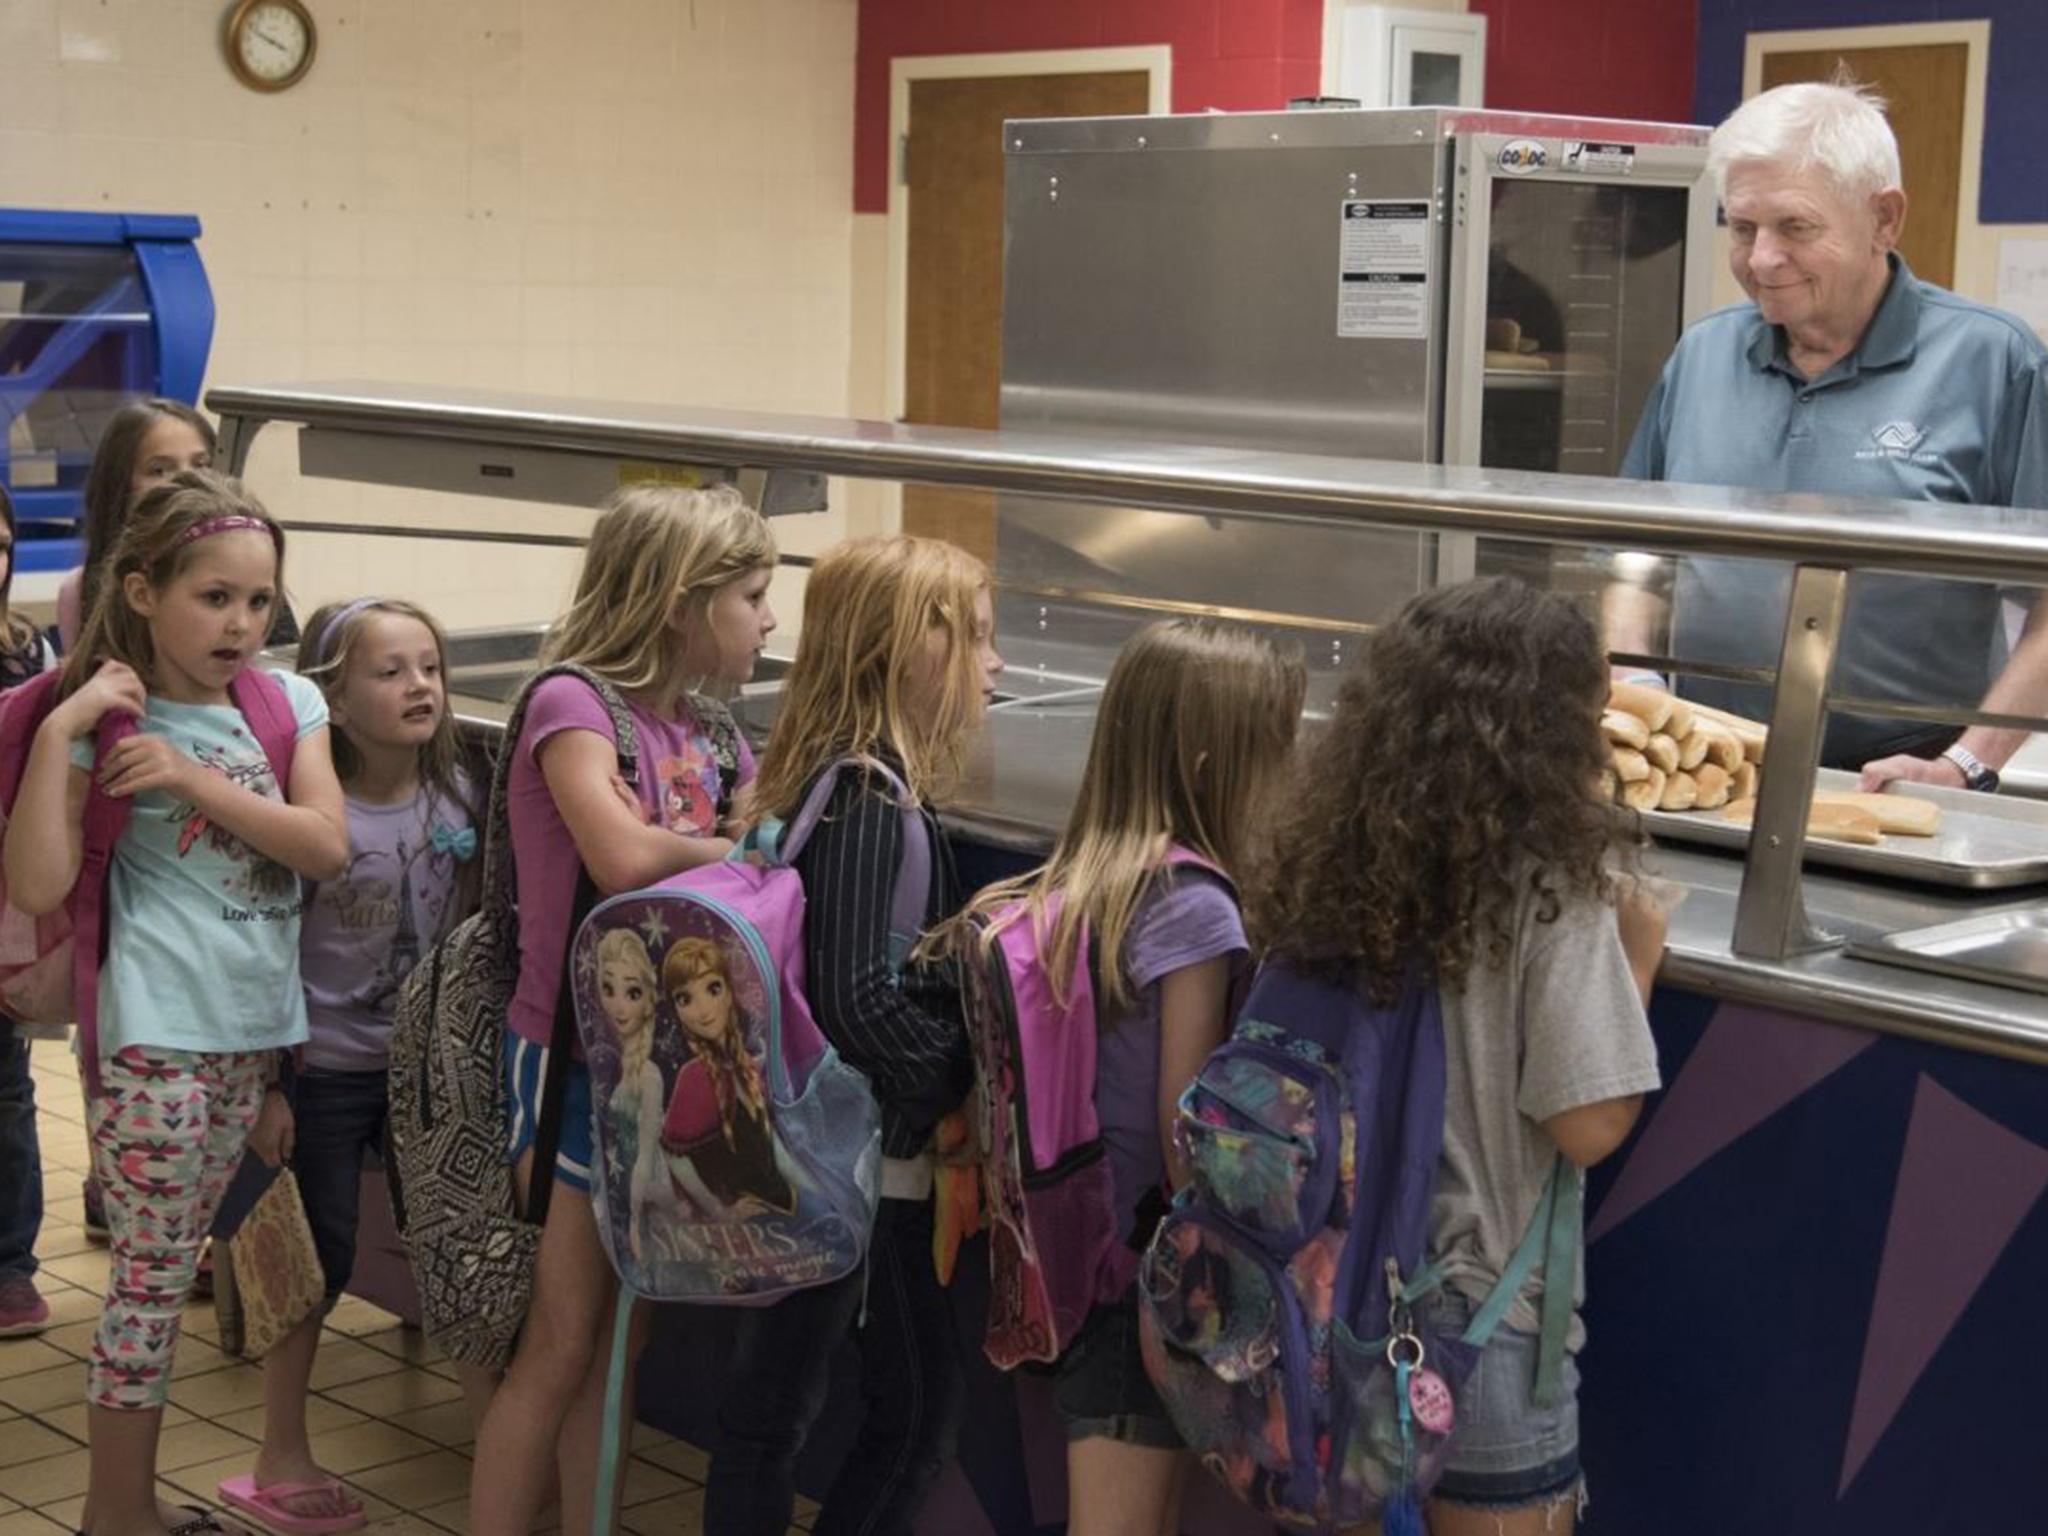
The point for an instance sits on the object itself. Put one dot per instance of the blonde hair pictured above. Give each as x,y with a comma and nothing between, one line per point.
324,649
869,609
620,948
157,542
656,553
1196,725
686,960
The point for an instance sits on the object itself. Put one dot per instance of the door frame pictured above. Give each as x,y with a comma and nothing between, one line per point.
1975,36
1155,59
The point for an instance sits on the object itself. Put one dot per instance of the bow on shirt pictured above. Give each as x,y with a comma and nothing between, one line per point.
448,839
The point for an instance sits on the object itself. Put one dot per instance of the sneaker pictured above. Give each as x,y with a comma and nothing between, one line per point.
22,1308
95,1212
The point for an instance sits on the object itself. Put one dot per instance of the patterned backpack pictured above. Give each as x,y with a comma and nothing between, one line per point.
49,965
735,1157
1053,1246
1278,1314
471,1247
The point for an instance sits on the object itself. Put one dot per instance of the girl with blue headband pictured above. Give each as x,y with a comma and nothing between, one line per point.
413,863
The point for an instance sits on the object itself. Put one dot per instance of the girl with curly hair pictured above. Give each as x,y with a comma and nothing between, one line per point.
1450,818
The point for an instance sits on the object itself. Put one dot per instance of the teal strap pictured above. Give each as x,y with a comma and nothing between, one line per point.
764,838
604,1504
1534,1240
1560,1278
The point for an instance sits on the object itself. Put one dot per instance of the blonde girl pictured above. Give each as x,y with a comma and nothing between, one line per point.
381,664
1195,726
672,597
897,663
200,990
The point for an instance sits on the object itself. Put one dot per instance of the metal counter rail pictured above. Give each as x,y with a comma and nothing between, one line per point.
1825,539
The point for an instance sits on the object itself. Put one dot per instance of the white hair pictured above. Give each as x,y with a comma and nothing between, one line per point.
1837,129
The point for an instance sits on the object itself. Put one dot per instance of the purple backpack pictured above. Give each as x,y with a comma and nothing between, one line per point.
1053,1247
1279,1301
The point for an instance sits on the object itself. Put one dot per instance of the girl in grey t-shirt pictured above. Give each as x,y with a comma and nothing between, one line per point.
1450,817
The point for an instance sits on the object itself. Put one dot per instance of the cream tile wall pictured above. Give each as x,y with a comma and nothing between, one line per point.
624,199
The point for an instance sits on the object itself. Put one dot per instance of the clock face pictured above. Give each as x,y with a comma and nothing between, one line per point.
273,43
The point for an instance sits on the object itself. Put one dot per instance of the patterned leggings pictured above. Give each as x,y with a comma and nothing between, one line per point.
167,1136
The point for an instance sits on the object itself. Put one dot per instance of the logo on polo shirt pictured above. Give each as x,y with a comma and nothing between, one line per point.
1899,440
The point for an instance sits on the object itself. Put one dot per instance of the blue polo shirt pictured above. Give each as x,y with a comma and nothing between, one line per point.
1941,401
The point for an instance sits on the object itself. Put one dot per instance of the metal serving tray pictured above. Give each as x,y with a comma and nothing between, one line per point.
1986,842
2008,948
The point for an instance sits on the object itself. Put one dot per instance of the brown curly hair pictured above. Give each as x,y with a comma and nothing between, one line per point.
1461,770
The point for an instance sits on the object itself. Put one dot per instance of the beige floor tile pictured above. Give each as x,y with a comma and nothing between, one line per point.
369,1444
53,1477
73,1338
29,1440
88,1269
354,1316
419,1482
68,1304
342,1361
25,1357
678,1456
70,1418
196,1357
452,1516
60,1241
51,1387
408,1344
680,1514
321,1416
387,1396
444,1424
645,1483
403,1525
220,1392
26,1522
190,1444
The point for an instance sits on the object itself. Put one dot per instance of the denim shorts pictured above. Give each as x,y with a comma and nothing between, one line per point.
1508,1451
526,1067
1100,1385
338,1116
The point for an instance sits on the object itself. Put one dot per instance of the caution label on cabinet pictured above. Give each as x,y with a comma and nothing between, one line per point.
1383,268
1593,159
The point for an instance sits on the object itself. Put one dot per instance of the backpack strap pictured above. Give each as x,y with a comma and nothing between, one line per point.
780,843
101,824
716,721
501,899
260,696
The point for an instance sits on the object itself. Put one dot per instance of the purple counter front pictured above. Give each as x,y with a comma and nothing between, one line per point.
1816,1280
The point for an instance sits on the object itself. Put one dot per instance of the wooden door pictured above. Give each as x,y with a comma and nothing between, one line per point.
953,364
1924,88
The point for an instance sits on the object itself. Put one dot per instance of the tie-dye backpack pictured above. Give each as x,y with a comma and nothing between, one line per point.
1280,1314
1053,1248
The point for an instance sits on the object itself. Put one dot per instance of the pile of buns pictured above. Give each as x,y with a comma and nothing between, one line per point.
1667,754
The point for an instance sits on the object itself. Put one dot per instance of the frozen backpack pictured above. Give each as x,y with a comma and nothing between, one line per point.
1279,1312
1054,1251
49,965
735,1157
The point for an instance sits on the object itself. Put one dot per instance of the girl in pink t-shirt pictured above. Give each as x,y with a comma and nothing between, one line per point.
673,597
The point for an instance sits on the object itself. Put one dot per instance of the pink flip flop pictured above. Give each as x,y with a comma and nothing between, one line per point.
268,1505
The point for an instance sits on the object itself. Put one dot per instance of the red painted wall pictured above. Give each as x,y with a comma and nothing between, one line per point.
1240,55
1598,58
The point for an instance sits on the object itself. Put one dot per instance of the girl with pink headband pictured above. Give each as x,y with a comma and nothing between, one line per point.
231,801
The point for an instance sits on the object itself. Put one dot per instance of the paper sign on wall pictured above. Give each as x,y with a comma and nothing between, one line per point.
2023,280
1383,268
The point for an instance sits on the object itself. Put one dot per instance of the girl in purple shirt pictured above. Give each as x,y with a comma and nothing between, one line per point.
1196,723
381,664
672,599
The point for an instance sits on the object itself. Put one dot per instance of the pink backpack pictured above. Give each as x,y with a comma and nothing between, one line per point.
1053,1248
49,965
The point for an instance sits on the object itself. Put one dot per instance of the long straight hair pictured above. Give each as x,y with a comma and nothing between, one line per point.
870,608
108,482
323,656
15,634
657,556
153,543
1195,727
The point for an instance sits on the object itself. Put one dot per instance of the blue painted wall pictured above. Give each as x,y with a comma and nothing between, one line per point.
2013,188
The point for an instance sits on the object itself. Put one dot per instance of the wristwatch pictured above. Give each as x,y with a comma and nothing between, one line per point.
1977,774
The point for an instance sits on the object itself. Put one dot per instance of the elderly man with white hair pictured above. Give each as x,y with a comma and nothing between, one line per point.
1846,374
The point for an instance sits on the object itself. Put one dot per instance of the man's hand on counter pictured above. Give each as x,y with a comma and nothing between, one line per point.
1913,770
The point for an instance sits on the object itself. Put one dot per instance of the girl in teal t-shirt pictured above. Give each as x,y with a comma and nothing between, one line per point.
199,989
